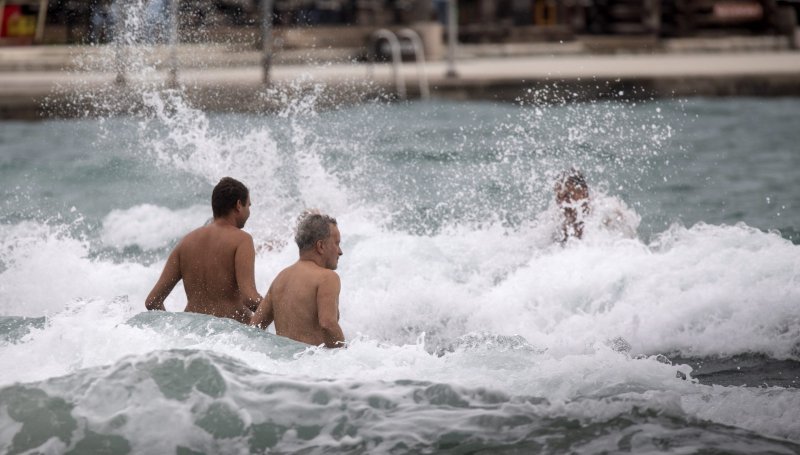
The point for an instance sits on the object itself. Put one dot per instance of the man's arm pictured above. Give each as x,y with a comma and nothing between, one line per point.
245,263
328,310
169,278
264,316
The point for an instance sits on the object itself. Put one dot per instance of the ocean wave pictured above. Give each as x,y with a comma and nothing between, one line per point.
202,401
697,291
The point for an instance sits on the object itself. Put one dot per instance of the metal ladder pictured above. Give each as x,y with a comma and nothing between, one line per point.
394,47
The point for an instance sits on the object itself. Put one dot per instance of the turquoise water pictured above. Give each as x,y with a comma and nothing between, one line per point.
713,161
673,330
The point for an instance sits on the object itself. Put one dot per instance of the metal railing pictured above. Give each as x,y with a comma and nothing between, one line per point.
393,39
419,55
396,52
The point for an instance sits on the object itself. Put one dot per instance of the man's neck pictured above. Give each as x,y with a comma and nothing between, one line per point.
311,257
225,221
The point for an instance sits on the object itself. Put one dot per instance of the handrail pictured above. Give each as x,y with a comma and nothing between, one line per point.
172,80
120,17
394,47
419,56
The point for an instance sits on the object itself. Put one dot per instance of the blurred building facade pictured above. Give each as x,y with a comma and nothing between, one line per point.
480,21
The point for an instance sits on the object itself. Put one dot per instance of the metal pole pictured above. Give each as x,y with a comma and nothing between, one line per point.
266,38
452,37
419,56
40,21
173,44
397,58
120,16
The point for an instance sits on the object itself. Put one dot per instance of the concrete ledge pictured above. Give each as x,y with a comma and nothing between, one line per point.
535,79
254,98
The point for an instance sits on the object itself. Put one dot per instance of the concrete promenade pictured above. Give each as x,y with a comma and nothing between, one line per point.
237,86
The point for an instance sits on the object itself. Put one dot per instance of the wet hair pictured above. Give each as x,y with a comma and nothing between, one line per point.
312,227
572,177
225,195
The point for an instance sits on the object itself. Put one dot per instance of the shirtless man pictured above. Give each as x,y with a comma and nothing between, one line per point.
303,300
572,197
576,209
216,261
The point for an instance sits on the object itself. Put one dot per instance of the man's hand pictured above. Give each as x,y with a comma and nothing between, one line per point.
169,278
263,316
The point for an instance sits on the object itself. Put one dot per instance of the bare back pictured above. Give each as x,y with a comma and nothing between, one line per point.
216,265
208,268
303,301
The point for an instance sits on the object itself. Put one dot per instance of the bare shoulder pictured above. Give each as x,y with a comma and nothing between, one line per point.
190,239
197,234
328,276
241,237
312,273
284,275
235,237
282,281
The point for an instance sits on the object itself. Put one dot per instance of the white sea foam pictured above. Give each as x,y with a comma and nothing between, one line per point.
149,226
46,269
705,290
595,385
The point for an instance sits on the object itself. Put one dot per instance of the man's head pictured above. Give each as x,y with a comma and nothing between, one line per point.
571,188
318,235
230,195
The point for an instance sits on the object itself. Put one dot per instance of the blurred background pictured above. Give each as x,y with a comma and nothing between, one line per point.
480,21
223,53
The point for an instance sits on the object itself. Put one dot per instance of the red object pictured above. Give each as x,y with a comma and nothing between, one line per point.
8,13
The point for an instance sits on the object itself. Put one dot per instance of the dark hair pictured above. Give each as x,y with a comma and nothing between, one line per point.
572,177
312,227
225,195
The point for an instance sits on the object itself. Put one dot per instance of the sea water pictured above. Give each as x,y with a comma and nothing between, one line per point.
673,326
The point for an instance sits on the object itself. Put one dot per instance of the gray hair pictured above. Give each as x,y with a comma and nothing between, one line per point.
312,226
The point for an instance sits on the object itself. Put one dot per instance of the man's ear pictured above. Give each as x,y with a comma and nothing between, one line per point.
239,206
319,245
